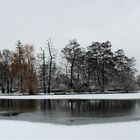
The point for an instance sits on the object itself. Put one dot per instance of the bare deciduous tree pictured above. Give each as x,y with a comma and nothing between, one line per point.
52,55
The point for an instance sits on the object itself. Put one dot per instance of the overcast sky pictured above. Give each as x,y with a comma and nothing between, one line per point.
33,21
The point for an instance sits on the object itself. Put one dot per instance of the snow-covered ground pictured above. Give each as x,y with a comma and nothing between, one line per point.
122,96
27,130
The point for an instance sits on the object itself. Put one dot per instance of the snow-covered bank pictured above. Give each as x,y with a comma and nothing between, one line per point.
123,96
27,130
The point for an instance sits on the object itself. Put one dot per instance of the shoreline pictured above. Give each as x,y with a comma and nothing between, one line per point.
117,96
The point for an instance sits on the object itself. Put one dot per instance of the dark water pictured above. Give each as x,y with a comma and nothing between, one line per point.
70,111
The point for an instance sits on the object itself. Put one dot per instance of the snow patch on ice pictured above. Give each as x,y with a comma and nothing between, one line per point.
28,130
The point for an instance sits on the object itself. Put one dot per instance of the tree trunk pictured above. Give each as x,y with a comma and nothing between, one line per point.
44,71
8,86
71,78
50,76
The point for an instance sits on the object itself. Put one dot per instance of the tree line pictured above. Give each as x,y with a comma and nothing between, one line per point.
93,68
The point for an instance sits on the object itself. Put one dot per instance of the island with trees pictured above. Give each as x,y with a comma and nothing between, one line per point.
94,68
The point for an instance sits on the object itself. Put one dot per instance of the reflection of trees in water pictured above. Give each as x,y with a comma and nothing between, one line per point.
45,104
91,106
138,102
71,106
20,105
